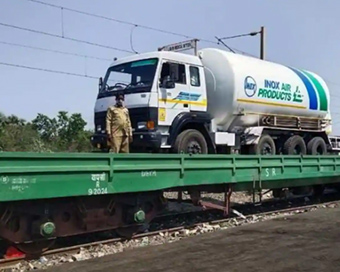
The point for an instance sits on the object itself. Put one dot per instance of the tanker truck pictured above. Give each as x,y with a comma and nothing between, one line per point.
217,102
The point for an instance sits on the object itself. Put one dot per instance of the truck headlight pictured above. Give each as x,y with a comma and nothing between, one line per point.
141,125
146,125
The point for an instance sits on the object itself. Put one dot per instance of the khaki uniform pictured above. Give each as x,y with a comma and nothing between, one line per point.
118,127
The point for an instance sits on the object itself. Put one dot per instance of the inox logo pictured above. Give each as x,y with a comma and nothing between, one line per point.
250,86
272,84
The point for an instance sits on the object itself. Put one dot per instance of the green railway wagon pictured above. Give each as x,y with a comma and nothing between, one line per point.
46,196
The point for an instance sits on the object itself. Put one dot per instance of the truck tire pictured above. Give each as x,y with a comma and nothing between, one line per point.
191,141
265,146
317,146
295,145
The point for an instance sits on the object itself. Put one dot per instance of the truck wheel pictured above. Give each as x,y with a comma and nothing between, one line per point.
316,146
295,145
191,141
265,146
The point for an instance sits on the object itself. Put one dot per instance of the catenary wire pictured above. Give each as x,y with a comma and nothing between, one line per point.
56,71
46,70
239,36
61,37
53,51
133,24
122,22
118,21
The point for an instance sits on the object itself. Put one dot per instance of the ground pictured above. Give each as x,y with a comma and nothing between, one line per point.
305,242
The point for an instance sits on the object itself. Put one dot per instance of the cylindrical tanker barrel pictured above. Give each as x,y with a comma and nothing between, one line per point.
238,84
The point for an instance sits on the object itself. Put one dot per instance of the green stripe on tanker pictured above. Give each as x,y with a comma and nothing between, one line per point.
321,91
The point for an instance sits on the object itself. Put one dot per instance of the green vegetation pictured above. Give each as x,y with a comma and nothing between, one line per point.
44,134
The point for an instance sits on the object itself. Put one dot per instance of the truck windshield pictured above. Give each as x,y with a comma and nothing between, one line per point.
130,76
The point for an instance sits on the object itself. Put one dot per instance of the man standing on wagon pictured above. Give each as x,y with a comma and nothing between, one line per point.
118,126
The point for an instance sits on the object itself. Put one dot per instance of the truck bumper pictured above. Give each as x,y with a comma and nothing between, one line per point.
99,141
146,140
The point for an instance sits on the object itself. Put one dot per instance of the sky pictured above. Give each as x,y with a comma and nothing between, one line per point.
300,33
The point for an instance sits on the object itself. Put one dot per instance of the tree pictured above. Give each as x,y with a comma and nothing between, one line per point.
18,135
63,133
15,120
45,134
46,127
3,119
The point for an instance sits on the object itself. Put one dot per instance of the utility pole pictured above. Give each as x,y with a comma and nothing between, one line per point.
262,33
262,43
195,46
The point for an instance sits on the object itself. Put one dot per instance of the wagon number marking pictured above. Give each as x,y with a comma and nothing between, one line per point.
148,174
98,190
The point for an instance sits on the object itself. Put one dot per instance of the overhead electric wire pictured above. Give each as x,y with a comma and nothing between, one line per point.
54,51
63,37
117,20
222,42
132,24
56,71
46,70
131,42
240,35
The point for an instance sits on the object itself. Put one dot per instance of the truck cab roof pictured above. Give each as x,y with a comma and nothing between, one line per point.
174,56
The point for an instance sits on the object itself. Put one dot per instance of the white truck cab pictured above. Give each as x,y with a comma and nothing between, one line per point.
164,91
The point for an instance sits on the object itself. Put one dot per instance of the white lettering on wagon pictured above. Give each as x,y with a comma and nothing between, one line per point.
20,180
19,188
4,179
17,180
21,184
17,184
147,174
270,172
98,189
98,177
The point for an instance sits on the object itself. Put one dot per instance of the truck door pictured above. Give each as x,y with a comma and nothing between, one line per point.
197,95
173,101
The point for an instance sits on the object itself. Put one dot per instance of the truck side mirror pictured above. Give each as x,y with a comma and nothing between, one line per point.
100,83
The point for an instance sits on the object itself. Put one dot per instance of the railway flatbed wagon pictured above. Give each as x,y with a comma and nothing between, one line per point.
46,196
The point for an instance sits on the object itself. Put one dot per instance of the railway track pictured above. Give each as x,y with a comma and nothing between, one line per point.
242,215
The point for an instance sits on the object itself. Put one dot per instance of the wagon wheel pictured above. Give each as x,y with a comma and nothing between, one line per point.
36,247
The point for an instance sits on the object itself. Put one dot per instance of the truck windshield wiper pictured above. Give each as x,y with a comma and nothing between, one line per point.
142,82
117,85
